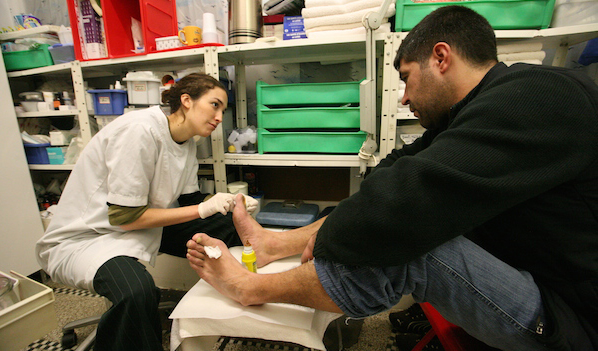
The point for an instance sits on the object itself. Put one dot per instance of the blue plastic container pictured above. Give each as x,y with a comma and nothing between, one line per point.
109,101
37,154
277,214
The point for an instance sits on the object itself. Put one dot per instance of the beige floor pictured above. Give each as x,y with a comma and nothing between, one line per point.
72,304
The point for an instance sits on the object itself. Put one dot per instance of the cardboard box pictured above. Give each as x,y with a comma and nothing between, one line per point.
29,319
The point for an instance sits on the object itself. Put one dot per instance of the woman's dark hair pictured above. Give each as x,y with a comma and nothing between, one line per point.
194,84
466,31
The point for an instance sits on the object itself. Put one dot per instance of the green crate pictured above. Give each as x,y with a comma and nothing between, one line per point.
19,60
310,142
502,14
308,117
314,94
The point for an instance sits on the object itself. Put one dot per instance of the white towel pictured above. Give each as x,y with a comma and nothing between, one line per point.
533,62
348,18
521,56
518,47
316,3
329,10
385,28
340,27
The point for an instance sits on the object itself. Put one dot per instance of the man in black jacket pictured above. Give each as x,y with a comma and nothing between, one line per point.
491,216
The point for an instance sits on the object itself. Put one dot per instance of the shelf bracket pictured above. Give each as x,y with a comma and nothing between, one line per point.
371,21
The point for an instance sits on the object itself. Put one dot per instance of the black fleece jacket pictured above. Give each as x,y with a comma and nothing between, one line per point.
515,169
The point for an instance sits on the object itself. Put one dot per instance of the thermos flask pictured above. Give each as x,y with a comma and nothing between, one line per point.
245,21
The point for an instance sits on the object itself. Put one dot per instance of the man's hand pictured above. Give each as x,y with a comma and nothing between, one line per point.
308,252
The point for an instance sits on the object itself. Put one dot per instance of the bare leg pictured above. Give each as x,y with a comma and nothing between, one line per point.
267,244
298,286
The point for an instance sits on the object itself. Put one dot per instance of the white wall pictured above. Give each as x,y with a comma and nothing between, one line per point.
48,11
20,222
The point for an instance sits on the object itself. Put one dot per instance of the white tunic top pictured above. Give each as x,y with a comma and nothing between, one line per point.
133,161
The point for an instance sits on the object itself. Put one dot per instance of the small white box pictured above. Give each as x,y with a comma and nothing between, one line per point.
29,319
143,88
166,43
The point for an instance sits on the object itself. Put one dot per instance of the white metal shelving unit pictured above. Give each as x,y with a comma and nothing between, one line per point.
331,50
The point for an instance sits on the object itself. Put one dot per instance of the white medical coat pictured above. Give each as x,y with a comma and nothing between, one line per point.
133,161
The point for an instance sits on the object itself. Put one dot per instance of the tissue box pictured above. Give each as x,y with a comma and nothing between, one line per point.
56,155
293,28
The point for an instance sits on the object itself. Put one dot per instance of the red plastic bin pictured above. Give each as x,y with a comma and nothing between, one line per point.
157,17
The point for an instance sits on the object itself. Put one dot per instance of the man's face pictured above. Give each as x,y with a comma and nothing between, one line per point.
426,93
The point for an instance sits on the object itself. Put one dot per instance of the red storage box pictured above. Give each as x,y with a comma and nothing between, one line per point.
157,17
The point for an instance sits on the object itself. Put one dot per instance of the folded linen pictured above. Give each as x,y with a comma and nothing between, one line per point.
329,10
347,18
518,47
533,62
316,3
340,27
385,28
518,56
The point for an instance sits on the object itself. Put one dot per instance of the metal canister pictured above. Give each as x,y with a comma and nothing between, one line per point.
245,21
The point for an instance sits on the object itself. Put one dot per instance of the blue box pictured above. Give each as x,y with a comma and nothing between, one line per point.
293,28
36,154
109,101
286,215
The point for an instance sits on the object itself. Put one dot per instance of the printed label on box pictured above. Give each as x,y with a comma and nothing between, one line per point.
104,100
139,87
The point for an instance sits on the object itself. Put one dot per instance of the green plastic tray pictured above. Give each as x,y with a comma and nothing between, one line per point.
308,117
502,14
310,142
19,60
314,94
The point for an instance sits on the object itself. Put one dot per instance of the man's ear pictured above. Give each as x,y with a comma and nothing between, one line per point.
442,56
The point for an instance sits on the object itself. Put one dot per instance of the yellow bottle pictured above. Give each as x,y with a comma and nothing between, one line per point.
248,258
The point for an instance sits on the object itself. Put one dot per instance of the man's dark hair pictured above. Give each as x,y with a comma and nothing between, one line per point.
467,32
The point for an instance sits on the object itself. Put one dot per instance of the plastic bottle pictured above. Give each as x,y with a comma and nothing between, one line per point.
248,258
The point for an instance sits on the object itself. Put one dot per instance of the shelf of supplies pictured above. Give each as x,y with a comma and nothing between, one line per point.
41,114
159,61
325,50
51,167
552,37
30,32
63,68
301,160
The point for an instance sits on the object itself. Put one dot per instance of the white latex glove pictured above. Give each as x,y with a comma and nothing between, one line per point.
250,203
221,202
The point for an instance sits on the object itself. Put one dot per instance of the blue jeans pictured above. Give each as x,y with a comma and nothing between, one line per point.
489,299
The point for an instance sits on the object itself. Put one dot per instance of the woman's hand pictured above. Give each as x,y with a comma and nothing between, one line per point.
221,202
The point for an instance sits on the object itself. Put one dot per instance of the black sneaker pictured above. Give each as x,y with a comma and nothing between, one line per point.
412,320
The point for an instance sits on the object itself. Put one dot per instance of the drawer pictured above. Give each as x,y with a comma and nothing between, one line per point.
308,117
310,142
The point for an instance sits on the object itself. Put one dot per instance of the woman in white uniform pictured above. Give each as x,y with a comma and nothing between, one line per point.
120,195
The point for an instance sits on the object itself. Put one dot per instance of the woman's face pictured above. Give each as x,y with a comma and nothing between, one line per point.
205,113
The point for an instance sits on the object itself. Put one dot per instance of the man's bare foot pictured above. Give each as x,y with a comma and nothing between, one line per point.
264,242
225,273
